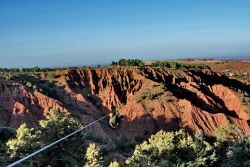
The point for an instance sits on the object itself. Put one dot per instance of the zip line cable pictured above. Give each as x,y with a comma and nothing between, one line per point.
54,143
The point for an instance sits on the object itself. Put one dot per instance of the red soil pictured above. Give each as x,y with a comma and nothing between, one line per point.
173,99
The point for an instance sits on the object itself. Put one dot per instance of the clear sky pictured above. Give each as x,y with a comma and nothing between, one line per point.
52,33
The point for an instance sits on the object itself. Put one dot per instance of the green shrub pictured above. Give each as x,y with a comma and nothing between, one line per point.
149,95
175,65
52,75
55,126
123,145
245,100
114,164
93,156
129,62
114,63
173,149
233,146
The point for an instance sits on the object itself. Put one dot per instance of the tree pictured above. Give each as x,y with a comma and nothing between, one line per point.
233,146
229,132
173,65
173,149
114,164
114,63
36,69
52,75
93,157
21,145
123,62
130,62
54,127
237,155
5,134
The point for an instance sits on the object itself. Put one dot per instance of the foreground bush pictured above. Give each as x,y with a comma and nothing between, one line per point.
5,135
173,149
234,146
55,126
229,148
93,157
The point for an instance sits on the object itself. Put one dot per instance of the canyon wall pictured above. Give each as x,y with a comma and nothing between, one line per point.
150,99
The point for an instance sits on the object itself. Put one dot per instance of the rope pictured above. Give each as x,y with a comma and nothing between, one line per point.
54,143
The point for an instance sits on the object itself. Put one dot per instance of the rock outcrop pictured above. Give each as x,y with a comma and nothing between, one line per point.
150,99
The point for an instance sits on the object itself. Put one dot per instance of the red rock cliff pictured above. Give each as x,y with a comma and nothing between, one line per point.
149,98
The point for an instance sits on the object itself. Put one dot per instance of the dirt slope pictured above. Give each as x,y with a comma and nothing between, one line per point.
150,98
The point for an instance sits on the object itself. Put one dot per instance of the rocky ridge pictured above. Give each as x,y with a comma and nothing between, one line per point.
149,98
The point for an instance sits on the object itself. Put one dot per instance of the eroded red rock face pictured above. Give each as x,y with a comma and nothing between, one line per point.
149,98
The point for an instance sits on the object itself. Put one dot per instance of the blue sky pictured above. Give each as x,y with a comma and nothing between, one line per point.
52,33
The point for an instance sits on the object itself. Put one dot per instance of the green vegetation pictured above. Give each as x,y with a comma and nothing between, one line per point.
245,99
239,75
233,146
9,70
52,75
55,126
5,135
128,62
47,87
181,149
72,152
149,95
230,147
229,131
34,69
119,144
173,149
175,65
114,164
93,157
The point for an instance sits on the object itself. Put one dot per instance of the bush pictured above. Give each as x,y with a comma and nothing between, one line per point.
5,135
173,149
149,95
52,75
93,157
114,164
123,144
229,132
233,146
55,126
129,62
114,63
175,65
